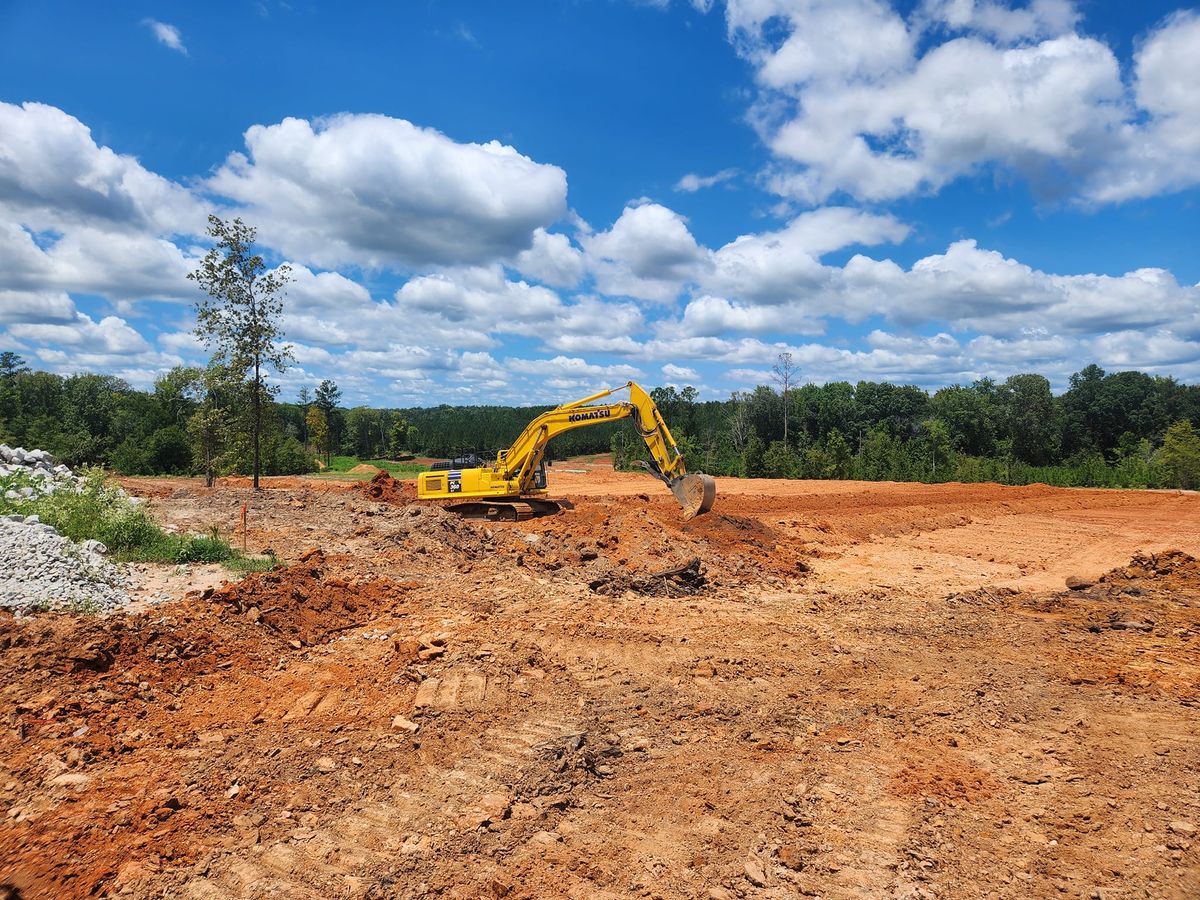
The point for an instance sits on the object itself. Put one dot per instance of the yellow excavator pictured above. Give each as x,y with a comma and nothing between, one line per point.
514,486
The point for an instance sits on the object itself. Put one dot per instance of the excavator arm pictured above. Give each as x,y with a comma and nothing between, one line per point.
515,469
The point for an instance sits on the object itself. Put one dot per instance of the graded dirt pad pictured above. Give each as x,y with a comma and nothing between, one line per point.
819,689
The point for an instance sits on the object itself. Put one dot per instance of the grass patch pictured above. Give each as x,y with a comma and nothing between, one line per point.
340,466
590,458
245,565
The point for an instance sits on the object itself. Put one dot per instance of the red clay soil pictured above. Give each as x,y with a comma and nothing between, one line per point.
100,691
858,691
386,489
304,603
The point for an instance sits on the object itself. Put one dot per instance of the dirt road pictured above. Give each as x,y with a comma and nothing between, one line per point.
869,690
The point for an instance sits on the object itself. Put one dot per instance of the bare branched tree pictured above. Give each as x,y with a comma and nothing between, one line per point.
785,375
740,427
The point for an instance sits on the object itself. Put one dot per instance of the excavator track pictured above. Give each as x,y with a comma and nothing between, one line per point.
505,510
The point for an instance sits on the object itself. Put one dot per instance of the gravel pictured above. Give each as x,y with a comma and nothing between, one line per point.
37,466
39,568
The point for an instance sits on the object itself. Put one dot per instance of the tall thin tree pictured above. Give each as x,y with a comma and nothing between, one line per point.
303,399
785,373
239,319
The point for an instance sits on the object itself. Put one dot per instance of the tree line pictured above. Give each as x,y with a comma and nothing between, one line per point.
1122,429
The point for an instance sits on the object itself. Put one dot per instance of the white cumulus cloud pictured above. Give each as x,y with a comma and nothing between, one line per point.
53,175
1001,21
856,99
680,374
377,191
1163,152
552,260
648,253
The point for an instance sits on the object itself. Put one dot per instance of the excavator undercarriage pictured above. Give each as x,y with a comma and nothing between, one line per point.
506,510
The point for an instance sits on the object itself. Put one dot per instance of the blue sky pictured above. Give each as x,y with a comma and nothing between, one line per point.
518,203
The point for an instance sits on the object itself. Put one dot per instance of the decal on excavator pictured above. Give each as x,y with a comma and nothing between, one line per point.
583,417
454,482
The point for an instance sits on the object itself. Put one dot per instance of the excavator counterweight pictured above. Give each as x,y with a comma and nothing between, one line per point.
514,485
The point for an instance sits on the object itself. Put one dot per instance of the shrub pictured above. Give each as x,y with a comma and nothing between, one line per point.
107,514
100,512
207,548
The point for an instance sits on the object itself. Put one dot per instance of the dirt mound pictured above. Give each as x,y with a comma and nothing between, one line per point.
364,469
646,535
1127,615
386,489
305,602
1169,563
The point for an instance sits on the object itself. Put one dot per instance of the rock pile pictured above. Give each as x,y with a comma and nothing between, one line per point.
39,469
42,570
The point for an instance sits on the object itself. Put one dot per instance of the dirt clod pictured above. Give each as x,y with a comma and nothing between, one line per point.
386,489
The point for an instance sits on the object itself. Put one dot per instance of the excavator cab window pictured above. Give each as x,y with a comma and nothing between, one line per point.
539,477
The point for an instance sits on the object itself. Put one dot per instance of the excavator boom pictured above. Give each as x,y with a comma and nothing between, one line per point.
518,473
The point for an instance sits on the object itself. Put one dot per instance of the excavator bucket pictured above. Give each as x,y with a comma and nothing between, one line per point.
695,494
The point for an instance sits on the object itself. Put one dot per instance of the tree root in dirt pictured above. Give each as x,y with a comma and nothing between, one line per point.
681,581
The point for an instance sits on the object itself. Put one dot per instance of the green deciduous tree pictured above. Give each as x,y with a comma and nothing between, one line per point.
1031,415
210,427
938,448
239,319
318,431
362,432
176,393
398,441
1180,455
970,417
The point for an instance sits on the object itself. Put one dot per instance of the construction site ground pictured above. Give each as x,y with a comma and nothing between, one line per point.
860,690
